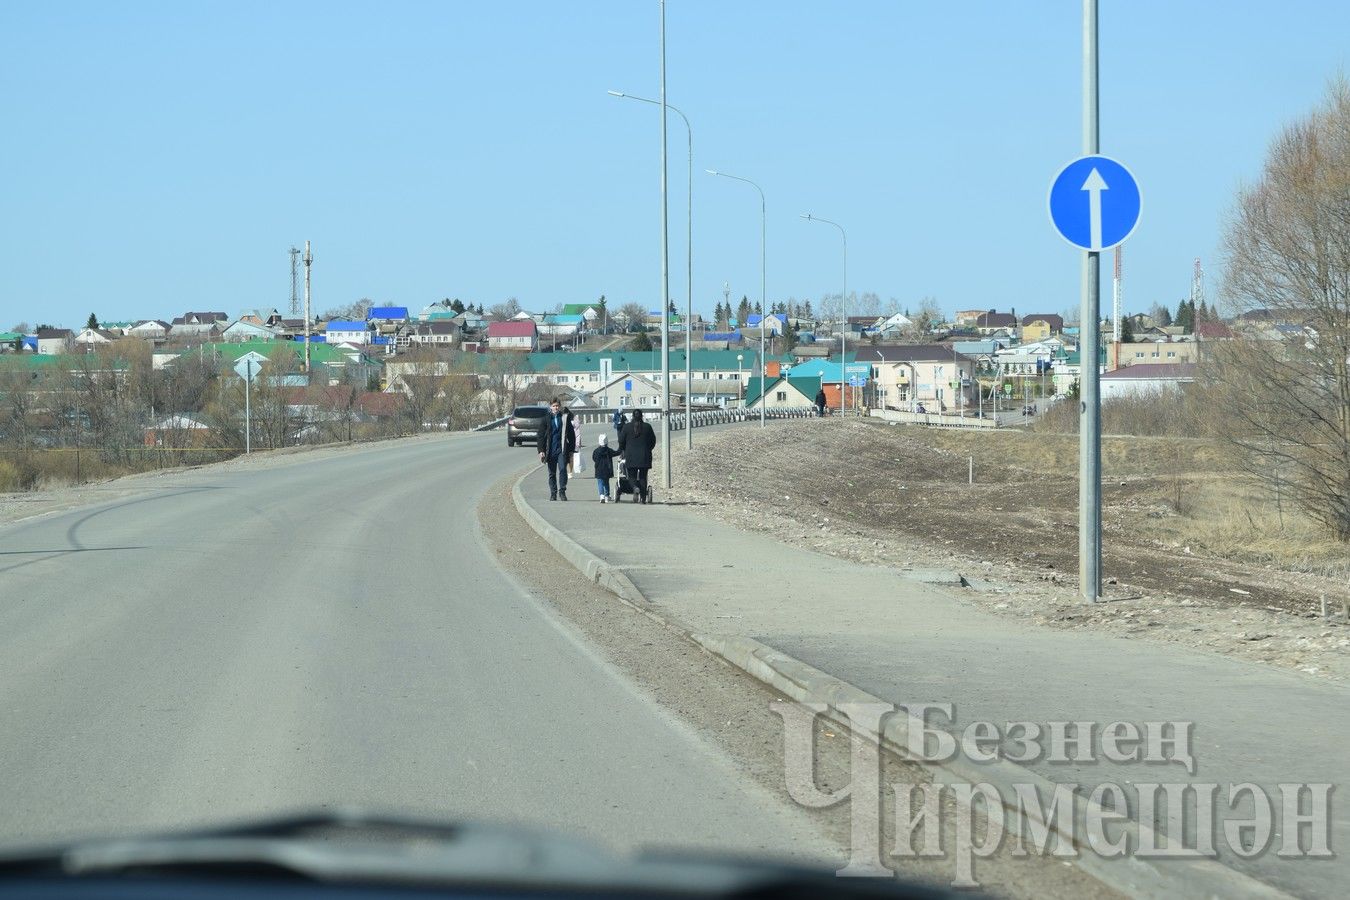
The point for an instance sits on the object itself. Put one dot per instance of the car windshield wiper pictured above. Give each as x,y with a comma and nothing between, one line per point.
355,847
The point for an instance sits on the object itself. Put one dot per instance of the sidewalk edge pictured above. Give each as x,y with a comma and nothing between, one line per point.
804,683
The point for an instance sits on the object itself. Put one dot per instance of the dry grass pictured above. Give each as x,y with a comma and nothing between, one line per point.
29,470
1184,492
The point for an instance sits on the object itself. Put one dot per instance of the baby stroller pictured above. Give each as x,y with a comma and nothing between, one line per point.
627,487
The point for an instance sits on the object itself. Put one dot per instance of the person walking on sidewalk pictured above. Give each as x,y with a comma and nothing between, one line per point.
820,402
619,421
635,445
557,443
603,458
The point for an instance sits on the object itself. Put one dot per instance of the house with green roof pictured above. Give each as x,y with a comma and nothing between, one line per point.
783,392
332,360
589,311
588,371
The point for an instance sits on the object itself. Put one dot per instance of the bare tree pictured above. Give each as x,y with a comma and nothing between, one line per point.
1288,248
633,314
924,320
866,304
507,309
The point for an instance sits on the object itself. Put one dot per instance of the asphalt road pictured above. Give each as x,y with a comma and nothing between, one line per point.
330,629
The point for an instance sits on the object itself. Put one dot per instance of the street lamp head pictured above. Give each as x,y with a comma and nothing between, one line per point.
616,93
712,171
806,216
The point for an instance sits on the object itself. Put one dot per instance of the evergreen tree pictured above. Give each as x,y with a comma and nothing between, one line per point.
806,310
719,315
93,321
457,305
670,307
759,307
641,343
743,310
1127,330
1185,316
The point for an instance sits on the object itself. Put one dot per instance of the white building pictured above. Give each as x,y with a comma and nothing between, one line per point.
338,332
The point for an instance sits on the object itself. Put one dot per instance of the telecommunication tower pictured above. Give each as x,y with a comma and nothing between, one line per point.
295,283
1197,287
1116,298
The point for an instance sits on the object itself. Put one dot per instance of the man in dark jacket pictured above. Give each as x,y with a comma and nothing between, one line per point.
635,446
557,443
820,401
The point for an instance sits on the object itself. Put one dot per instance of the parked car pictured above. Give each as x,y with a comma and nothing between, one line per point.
525,424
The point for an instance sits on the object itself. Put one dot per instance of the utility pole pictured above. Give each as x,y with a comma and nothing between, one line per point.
295,295
309,259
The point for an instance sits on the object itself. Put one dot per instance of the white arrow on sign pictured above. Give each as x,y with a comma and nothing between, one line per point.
1094,186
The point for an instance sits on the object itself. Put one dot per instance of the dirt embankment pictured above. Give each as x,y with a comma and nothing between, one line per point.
1189,554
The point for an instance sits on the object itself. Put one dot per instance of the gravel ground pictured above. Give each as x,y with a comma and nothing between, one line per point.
882,496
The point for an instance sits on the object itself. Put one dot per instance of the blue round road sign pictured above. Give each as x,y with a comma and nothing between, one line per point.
1095,203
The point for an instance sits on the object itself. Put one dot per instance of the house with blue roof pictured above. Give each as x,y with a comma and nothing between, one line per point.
776,324
561,325
339,332
394,314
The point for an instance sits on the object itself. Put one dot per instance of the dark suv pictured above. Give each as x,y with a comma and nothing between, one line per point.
525,424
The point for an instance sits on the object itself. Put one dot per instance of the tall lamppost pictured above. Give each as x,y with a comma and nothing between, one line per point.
763,279
666,284
843,319
689,259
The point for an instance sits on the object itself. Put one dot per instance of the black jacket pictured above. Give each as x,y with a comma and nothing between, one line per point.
820,397
603,457
635,445
569,435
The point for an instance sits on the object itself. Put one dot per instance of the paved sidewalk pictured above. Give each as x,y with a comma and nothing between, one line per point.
907,641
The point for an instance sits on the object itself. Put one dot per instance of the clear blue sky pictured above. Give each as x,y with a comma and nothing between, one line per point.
160,157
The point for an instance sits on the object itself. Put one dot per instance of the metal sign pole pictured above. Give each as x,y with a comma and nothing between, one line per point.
248,407
1089,424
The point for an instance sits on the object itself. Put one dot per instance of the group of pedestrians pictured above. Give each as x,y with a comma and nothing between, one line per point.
560,438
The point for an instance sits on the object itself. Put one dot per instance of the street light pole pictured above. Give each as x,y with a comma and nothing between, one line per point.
665,273
689,277
843,299
740,395
763,280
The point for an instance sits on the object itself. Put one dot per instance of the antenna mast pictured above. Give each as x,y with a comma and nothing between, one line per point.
1197,289
295,296
1116,297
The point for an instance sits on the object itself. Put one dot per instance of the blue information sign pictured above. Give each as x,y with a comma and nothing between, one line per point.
1094,203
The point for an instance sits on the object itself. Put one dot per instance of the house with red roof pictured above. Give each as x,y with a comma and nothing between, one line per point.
517,334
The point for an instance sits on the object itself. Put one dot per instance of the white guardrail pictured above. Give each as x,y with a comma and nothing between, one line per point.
726,416
678,420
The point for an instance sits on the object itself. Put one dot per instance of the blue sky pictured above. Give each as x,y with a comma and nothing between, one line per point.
161,157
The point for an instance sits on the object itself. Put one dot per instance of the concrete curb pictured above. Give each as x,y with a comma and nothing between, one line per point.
1131,875
607,576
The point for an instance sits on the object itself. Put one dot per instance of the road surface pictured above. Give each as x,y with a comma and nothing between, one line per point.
329,629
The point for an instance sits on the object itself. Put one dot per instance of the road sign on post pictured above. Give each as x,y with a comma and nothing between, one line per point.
1094,203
